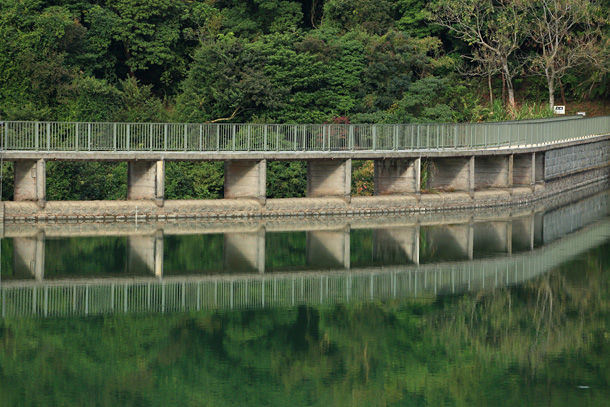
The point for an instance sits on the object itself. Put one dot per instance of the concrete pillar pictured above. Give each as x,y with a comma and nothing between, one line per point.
29,256
493,172
404,240
329,178
245,251
539,176
30,181
246,179
524,169
328,249
452,174
397,176
146,254
146,180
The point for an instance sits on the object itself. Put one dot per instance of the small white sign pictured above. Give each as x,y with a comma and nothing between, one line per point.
560,110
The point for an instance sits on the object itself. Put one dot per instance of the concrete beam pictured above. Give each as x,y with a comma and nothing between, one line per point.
146,180
30,181
329,178
394,176
246,179
493,172
328,249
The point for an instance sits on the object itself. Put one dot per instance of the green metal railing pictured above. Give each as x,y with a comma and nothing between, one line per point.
142,137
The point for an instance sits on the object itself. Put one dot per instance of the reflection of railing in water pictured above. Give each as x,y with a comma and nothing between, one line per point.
328,246
100,296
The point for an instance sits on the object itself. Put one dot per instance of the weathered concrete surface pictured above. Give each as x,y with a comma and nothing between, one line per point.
146,180
222,209
563,161
30,181
246,179
493,172
524,166
394,176
329,178
452,174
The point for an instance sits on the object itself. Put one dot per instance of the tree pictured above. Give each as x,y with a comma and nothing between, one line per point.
567,35
495,29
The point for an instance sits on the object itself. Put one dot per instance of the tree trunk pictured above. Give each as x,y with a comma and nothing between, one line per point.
550,80
509,86
491,91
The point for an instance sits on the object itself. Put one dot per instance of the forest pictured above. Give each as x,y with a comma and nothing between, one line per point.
289,61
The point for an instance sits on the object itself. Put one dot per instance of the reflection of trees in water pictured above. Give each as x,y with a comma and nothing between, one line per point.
486,348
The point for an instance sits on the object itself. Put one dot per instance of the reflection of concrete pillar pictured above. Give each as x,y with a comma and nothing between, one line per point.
30,181
246,179
493,172
245,251
387,242
328,248
396,176
470,241
329,178
29,256
146,180
522,234
144,252
492,237
159,253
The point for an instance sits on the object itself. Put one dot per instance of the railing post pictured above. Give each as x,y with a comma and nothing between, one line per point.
323,137
48,136
295,137
455,136
277,138
150,137
165,131
249,134
351,137
233,133
77,137
185,137
217,137
395,146
37,141
114,136
88,136
201,137
265,138
128,144
374,131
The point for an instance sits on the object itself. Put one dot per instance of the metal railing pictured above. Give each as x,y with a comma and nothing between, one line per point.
142,137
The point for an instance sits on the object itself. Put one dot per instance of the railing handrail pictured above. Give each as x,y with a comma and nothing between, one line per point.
266,137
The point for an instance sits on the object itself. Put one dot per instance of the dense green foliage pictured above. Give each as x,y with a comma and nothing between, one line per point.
277,61
545,342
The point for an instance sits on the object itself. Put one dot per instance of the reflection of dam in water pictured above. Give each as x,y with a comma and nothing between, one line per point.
338,260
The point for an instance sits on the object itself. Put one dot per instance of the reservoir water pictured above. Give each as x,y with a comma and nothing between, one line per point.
494,307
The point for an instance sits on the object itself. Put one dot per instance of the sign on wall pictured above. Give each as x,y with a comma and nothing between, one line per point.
560,110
